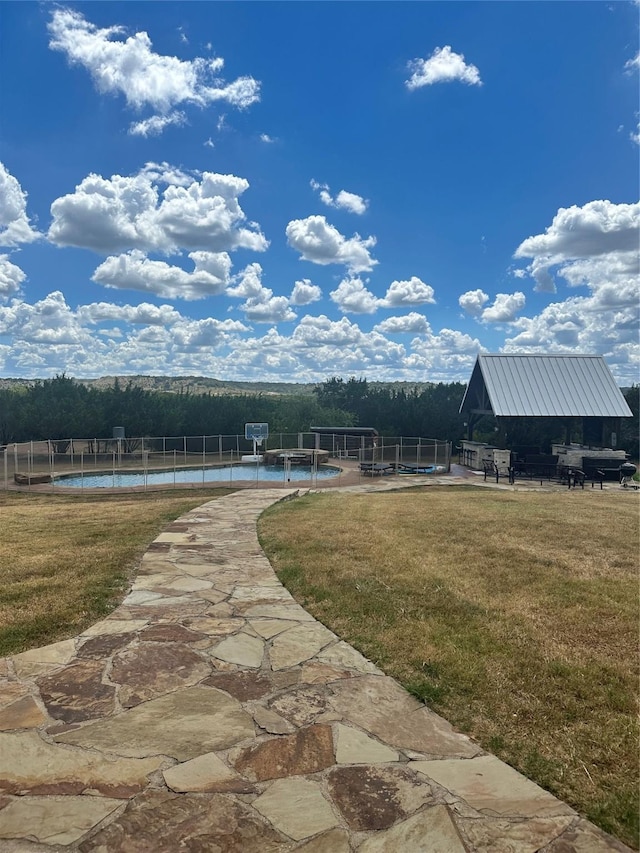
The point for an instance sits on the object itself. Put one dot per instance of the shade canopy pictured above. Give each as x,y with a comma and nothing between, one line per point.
543,386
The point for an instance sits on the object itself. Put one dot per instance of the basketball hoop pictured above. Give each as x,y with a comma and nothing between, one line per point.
256,432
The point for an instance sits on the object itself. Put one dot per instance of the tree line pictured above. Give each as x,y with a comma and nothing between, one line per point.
61,408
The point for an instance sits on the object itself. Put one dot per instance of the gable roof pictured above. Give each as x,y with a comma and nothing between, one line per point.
542,386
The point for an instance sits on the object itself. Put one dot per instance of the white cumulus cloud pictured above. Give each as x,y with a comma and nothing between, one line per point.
260,305
48,321
598,230
127,65
322,243
15,227
124,213
411,292
304,293
443,66
505,308
593,248
134,271
412,323
580,324
344,200
321,331
192,335
352,297
11,278
473,302
143,314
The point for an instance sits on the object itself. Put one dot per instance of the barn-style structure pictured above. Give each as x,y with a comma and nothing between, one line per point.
578,391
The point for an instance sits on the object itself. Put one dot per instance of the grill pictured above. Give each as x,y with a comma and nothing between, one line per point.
627,470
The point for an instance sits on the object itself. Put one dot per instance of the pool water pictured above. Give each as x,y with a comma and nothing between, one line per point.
224,474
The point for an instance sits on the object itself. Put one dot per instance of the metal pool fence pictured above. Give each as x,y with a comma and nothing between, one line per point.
42,462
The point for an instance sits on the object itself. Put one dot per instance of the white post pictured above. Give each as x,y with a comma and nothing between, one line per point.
255,456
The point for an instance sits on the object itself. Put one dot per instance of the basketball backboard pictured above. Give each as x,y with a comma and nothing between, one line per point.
256,431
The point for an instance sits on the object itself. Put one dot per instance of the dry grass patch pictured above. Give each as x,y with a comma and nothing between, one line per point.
66,561
513,614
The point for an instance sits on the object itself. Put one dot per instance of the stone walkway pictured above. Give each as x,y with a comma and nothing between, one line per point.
210,713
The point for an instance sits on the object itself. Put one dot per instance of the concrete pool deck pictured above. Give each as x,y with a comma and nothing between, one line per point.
210,712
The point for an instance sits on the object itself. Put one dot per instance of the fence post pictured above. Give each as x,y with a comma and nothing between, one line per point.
6,482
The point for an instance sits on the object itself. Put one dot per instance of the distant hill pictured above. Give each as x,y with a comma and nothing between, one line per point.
205,385
198,385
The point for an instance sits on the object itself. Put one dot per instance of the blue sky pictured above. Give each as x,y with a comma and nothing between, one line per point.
295,190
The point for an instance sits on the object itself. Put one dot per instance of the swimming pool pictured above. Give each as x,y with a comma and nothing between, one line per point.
222,474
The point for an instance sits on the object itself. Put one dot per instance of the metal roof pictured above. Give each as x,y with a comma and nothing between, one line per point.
543,386
352,430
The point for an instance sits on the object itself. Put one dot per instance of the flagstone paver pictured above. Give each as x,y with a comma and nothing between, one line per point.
242,649
183,724
489,785
355,747
207,773
210,712
296,807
